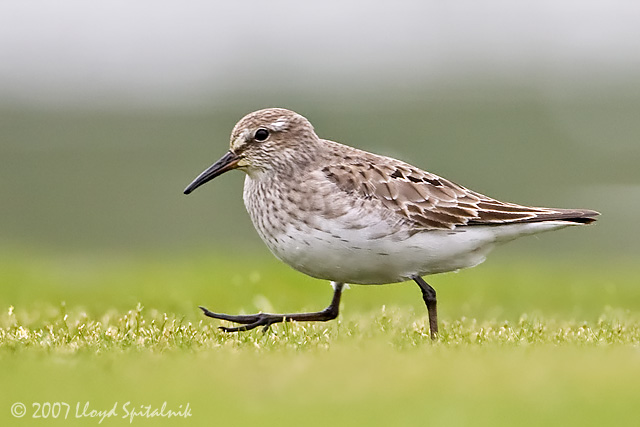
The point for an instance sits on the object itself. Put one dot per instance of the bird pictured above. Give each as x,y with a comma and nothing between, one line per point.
338,213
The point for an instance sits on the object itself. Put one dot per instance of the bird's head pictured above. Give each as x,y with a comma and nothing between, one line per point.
263,141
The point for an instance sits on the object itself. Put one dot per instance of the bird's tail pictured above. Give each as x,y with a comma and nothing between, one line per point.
577,216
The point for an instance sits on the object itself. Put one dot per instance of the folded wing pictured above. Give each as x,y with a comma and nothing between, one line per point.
433,202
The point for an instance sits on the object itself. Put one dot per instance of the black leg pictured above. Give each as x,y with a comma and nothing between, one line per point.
429,297
251,321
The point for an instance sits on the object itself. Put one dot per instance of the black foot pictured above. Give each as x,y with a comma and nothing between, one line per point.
429,297
251,321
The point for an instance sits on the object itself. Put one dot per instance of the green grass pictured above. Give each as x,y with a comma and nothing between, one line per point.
521,344
142,330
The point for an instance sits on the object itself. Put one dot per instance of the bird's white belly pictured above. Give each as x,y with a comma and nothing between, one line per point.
348,256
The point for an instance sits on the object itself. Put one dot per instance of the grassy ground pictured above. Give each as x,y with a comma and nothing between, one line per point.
521,344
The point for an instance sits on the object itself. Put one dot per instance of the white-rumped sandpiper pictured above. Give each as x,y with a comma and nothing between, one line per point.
349,216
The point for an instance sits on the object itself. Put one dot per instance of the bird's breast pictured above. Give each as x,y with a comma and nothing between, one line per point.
323,234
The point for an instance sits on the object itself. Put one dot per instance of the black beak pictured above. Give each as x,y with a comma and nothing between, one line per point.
226,163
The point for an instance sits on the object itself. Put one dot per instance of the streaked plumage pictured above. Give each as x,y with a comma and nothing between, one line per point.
346,215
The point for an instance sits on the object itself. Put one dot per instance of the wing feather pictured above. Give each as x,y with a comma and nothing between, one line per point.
432,202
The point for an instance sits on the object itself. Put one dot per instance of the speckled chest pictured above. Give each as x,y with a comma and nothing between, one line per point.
323,232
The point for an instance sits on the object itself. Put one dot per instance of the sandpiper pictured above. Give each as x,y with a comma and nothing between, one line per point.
345,215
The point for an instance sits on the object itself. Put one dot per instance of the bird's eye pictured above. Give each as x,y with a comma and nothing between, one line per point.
261,135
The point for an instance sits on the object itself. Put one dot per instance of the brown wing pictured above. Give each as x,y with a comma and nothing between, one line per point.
433,202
